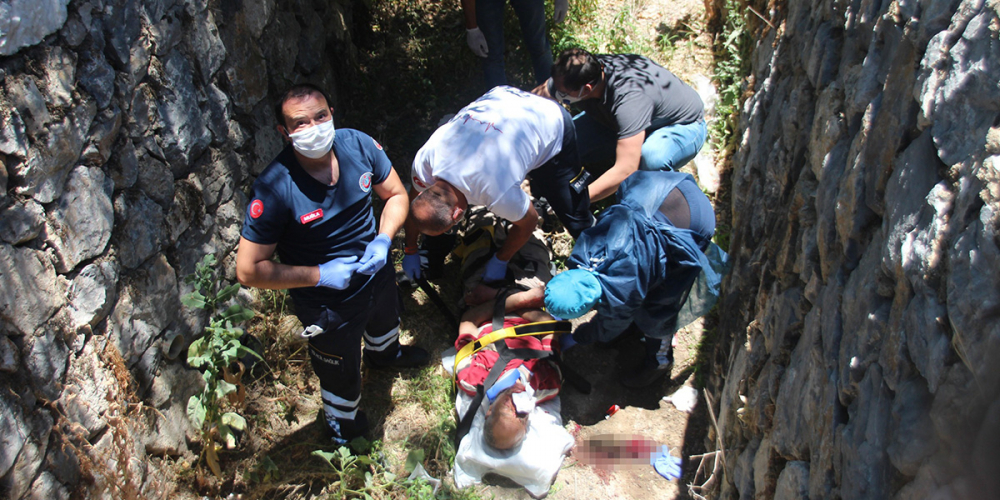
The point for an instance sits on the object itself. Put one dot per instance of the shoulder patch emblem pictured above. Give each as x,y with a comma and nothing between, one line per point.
377,145
256,209
311,216
419,183
365,182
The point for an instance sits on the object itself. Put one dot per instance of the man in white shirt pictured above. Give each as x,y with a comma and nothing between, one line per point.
481,157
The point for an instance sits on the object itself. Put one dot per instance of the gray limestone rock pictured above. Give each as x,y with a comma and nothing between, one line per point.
14,431
987,452
47,487
865,315
245,71
123,166
143,116
139,228
268,142
171,389
927,339
913,437
218,116
29,102
92,293
962,98
10,357
98,78
973,302
18,481
74,31
79,226
89,384
24,23
282,53
865,439
122,28
800,398
783,320
32,292
12,136
166,33
147,304
63,462
141,55
43,175
21,222
3,180
60,74
906,193
764,469
186,208
202,39
44,357
156,180
183,136
793,482
103,133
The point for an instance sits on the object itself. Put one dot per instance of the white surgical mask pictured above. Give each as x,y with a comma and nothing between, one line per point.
567,98
315,141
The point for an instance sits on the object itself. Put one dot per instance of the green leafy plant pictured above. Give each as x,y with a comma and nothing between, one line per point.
731,46
358,475
217,352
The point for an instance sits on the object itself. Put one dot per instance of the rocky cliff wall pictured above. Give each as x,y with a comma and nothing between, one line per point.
862,318
131,130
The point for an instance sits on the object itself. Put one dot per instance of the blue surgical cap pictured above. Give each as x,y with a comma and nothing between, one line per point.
572,293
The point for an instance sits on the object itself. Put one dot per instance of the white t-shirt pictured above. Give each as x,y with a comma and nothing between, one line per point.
489,147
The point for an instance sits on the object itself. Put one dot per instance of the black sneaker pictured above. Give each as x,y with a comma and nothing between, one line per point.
344,431
410,356
647,376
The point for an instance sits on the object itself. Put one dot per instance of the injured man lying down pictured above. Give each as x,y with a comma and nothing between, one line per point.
508,406
517,429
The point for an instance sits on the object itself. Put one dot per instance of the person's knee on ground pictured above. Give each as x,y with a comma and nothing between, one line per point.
504,428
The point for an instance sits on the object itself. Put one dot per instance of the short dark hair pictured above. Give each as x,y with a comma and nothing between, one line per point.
577,67
438,205
297,91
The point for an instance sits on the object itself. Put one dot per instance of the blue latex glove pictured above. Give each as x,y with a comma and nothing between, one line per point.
375,255
411,266
496,270
666,464
509,379
337,273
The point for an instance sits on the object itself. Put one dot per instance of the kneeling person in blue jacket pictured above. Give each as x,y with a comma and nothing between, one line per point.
638,264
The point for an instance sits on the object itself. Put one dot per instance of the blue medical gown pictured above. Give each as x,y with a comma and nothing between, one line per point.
647,267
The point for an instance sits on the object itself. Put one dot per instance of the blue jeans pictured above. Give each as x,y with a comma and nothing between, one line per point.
666,147
531,14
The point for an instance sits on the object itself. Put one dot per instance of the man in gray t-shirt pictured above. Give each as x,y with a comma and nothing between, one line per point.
636,115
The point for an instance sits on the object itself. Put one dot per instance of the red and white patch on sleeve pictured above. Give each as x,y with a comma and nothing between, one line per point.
377,145
256,209
420,184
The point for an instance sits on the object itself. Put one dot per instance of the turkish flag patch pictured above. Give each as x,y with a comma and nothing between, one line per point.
419,183
311,216
256,208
